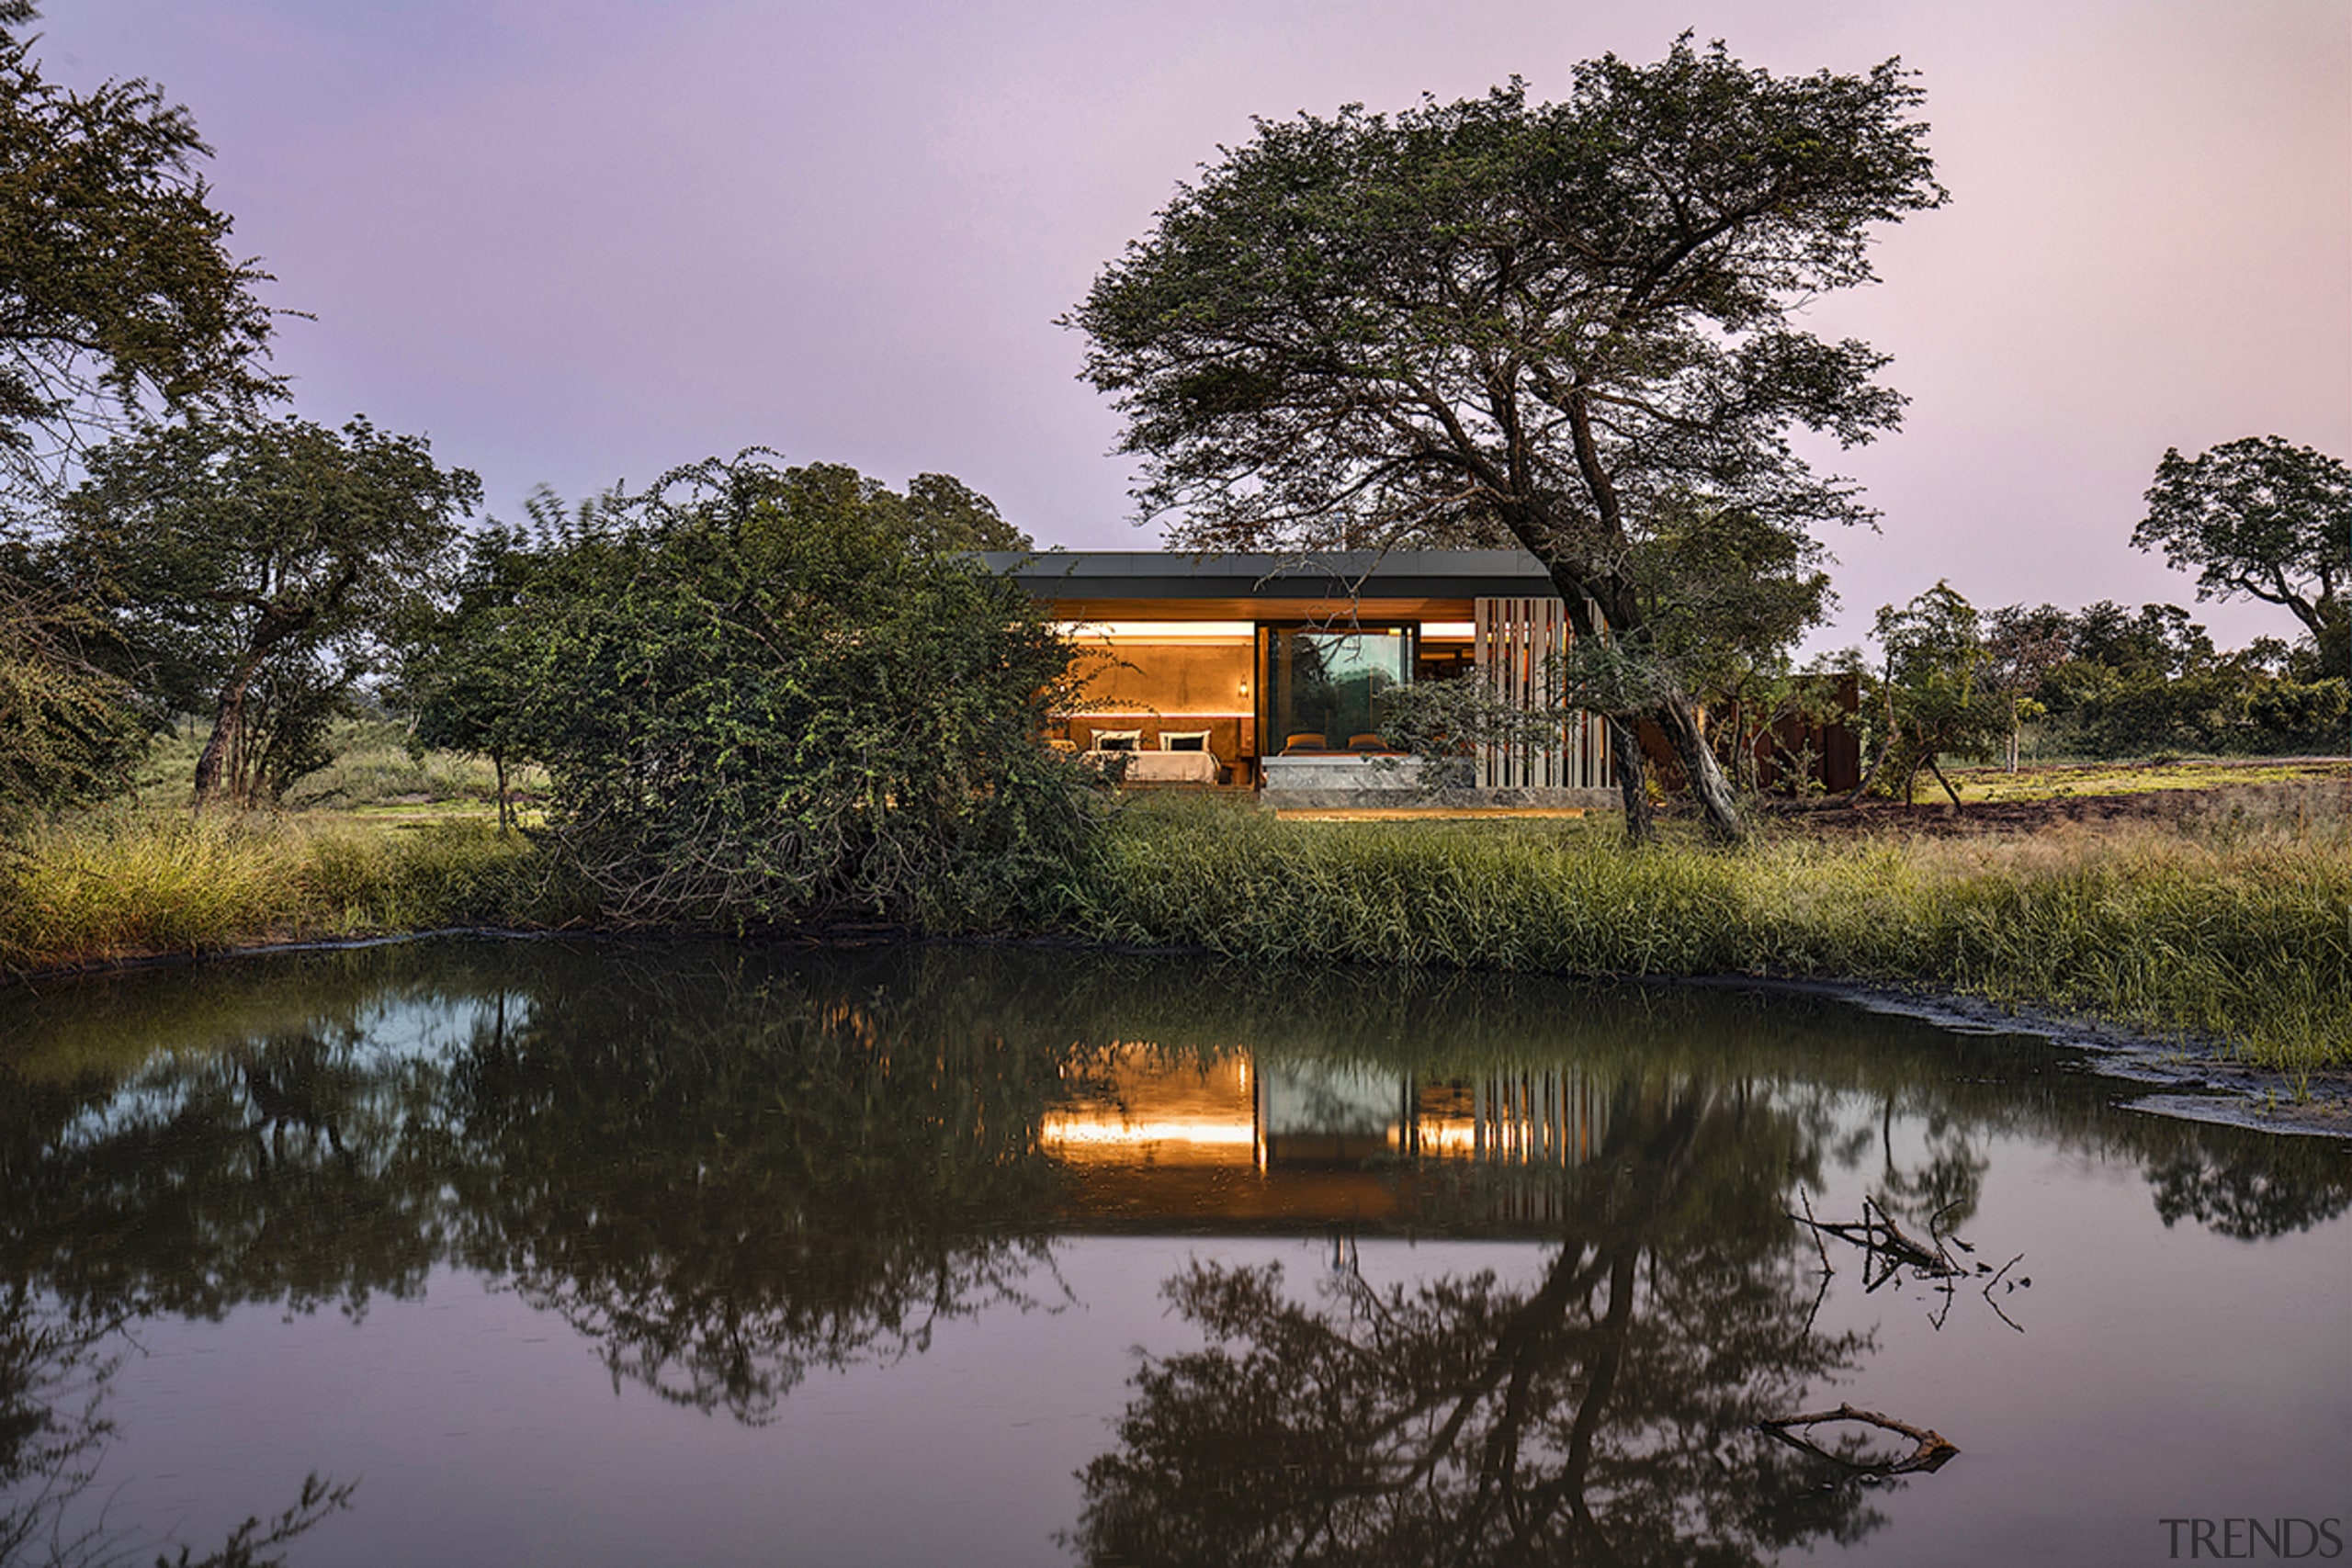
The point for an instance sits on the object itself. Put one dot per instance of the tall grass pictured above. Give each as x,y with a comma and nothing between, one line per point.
135,884
2237,932
2236,927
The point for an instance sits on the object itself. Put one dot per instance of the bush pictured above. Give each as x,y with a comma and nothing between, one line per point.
766,695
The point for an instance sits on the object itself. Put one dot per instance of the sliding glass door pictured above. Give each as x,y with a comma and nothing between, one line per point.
1321,690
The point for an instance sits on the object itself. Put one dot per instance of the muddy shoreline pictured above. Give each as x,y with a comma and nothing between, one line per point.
2188,1076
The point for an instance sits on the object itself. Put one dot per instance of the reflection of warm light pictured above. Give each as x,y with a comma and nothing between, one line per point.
1448,1137
1075,1130
1448,631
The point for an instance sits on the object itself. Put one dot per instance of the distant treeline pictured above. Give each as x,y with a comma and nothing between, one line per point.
2110,683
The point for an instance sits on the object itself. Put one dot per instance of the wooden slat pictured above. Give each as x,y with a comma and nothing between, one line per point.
1513,642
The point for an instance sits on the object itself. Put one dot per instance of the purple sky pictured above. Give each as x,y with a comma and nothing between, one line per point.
579,241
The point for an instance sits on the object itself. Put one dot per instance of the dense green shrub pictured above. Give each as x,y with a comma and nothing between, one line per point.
767,694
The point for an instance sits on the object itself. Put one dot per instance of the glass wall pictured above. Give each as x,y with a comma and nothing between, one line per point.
1325,690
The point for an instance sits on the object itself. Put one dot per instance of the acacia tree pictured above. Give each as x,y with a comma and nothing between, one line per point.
256,570
1549,325
117,293
1936,687
2265,518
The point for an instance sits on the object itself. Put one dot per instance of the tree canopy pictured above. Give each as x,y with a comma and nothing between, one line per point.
118,294
256,570
70,725
1938,688
1567,326
118,298
2265,518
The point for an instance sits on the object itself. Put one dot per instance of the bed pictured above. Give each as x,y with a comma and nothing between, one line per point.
1163,767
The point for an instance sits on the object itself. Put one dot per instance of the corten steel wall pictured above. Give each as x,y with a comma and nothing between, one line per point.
1836,750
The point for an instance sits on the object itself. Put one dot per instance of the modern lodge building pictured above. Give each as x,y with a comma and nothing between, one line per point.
1269,673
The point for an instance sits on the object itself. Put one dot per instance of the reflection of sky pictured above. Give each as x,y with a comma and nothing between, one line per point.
2160,1372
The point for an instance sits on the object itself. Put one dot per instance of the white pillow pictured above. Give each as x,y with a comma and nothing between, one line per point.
1118,740
1184,739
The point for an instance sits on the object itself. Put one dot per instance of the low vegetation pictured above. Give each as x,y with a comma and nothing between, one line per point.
2231,923
2234,926
130,884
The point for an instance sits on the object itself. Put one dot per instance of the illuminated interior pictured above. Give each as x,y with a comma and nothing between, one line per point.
1160,677
1165,1138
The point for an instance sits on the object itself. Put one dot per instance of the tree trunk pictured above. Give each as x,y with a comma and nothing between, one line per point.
1708,785
1632,780
506,814
222,762
1943,781
1870,777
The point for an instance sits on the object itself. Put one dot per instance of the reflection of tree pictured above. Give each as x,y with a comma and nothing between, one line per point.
1604,1415
2272,1187
278,1169
729,1167
723,1180
55,1364
53,1370
722,1167
1941,1188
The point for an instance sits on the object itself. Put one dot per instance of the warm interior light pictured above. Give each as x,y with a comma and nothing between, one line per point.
1159,631
1448,631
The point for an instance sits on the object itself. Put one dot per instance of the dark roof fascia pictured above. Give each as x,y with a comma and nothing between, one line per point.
1366,574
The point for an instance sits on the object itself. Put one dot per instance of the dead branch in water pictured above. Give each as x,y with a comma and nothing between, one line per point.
1995,1280
1819,1244
1884,1239
1931,1449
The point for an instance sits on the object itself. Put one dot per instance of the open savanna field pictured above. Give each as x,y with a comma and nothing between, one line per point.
2206,902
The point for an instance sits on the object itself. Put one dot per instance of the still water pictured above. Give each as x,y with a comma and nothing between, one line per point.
475,1252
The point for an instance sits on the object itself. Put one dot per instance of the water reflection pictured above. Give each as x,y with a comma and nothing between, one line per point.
727,1169
1605,1414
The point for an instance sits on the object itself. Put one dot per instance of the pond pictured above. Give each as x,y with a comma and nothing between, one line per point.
602,1253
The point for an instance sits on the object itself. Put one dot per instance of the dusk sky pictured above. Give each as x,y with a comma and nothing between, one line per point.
578,242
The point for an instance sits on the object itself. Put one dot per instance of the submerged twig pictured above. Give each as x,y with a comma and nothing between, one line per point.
1995,1280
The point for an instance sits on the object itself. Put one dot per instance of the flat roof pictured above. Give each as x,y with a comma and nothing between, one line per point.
1270,580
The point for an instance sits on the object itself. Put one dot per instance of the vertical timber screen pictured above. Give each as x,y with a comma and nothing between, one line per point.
1516,641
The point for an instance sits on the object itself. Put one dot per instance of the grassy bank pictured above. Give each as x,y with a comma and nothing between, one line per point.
2235,927
136,884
